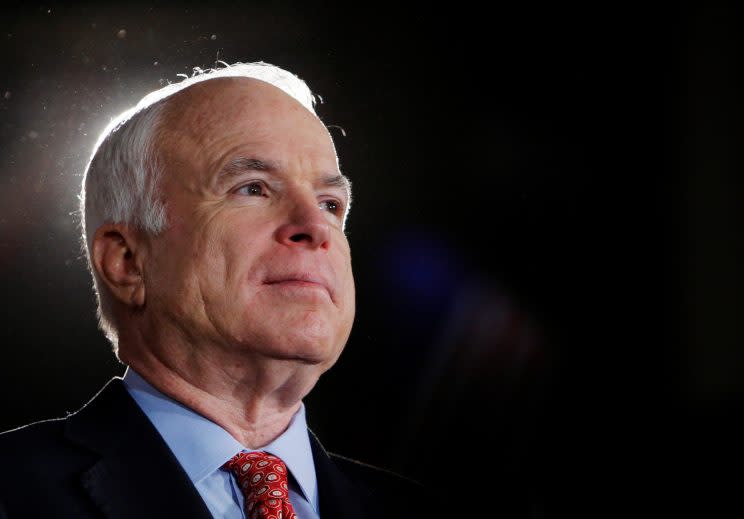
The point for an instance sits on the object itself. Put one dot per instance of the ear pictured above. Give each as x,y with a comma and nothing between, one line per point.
118,257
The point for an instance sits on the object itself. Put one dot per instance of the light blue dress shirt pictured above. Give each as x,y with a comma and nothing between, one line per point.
202,447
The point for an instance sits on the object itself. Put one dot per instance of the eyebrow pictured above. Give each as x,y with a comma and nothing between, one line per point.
240,165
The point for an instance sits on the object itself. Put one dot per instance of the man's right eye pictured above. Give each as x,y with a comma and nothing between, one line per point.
252,189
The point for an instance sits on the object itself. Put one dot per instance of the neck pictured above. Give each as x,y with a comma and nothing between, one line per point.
252,398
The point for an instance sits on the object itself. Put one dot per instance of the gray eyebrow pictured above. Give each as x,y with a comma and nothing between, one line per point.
240,165
245,163
341,181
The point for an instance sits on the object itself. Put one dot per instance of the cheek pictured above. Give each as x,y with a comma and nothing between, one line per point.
346,276
232,256
347,291
193,263
172,286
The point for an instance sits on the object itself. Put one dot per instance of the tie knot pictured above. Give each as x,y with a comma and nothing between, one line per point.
262,478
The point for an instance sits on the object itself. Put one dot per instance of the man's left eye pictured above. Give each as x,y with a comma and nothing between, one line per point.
252,189
330,205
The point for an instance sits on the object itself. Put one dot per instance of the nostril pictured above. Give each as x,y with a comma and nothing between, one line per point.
300,237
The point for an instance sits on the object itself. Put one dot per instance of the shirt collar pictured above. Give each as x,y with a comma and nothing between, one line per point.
202,447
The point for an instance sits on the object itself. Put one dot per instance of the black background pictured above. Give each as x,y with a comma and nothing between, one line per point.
545,231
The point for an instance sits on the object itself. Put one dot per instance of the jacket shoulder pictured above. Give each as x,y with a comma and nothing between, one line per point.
389,494
377,479
29,439
41,451
41,472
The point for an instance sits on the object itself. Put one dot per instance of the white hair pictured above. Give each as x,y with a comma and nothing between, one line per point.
121,179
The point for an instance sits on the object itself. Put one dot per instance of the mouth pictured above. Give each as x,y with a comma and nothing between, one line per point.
300,282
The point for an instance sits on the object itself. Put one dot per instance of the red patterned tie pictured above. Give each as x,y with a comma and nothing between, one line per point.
262,477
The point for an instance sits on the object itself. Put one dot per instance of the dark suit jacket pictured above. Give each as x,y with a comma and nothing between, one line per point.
108,460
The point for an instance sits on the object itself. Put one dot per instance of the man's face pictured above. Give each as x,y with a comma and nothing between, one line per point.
255,256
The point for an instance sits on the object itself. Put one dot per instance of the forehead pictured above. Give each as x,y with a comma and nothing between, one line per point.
227,112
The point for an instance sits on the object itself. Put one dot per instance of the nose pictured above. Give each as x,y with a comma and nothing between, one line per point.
306,226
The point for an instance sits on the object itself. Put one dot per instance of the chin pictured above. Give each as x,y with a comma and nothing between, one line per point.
309,351
311,336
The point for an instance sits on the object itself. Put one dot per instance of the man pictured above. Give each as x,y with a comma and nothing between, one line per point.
213,218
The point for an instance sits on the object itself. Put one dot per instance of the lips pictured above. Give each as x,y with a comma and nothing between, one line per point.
300,279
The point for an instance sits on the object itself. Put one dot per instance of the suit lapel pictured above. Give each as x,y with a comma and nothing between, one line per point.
137,474
339,497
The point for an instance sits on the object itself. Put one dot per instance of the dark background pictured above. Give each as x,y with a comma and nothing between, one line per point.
545,231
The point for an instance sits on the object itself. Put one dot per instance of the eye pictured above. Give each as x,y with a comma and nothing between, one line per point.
332,206
252,189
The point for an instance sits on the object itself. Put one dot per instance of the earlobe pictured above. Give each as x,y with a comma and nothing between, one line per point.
117,260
